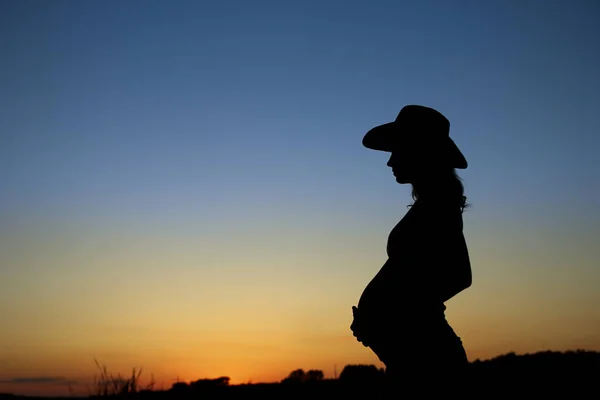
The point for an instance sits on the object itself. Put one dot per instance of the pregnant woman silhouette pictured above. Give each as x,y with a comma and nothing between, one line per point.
400,315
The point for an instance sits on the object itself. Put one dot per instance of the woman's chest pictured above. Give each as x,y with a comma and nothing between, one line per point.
404,236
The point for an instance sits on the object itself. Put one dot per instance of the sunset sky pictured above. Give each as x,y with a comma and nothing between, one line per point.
183,186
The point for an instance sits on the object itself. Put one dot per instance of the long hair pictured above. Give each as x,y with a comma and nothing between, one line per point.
447,183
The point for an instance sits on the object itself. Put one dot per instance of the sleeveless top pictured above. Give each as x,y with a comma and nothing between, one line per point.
399,288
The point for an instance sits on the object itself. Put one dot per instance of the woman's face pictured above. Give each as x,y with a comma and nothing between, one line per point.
402,165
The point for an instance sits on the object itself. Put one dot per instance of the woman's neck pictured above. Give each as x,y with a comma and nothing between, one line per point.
437,192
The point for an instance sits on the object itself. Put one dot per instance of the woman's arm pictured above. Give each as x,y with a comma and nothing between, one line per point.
454,274
440,267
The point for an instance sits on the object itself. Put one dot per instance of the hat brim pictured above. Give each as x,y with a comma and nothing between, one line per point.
388,137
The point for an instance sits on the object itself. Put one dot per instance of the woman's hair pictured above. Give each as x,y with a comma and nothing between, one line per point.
447,183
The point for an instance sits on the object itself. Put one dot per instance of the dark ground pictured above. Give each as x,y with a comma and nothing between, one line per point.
569,375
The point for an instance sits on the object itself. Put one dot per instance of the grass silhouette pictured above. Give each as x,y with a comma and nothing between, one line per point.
106,384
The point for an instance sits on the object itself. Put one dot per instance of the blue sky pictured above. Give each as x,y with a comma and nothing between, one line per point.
213,145
115,100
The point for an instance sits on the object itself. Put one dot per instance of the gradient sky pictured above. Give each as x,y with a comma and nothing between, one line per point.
183,186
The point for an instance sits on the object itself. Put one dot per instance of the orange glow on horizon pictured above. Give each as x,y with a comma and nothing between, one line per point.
248,366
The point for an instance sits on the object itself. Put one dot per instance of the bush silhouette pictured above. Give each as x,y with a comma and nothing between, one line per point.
299,376
361,374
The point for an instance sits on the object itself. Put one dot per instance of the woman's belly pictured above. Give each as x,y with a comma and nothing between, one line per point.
389,306
385,291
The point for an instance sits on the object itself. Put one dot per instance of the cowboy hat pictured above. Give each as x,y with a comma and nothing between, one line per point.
420,129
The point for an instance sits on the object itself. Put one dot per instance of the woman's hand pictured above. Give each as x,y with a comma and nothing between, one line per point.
359,327
363,332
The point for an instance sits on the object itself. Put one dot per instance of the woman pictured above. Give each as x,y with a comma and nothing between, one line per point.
400,314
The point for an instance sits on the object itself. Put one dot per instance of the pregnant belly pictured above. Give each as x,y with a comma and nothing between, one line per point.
383,292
